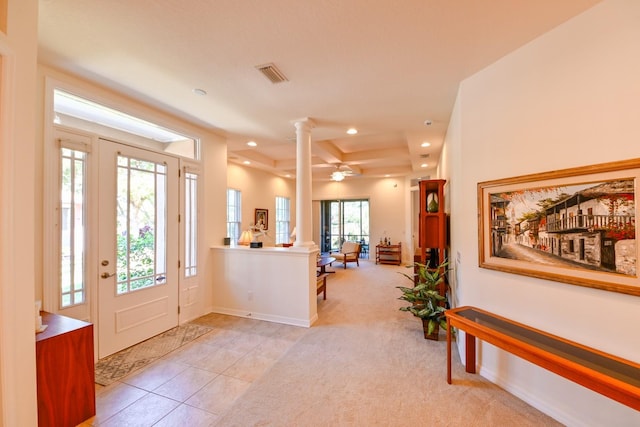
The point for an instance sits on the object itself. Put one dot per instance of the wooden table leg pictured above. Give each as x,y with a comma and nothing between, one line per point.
448,351
470,353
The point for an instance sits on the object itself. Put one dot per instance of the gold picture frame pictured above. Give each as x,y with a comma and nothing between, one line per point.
575,226
261,219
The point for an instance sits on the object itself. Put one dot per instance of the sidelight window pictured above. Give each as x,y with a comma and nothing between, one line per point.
190,224
72,221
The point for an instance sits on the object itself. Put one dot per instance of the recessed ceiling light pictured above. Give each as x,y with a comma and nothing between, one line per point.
252,144
247,162
352,131
199,91
424,165
387,176
425,144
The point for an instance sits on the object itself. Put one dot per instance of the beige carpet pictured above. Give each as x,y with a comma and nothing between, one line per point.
365,363
116,366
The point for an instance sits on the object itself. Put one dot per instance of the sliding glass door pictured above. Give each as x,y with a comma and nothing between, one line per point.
343,220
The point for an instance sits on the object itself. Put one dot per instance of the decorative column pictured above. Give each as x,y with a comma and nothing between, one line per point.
303,184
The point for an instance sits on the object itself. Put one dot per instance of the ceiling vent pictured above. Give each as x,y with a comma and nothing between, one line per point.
424,156
272,73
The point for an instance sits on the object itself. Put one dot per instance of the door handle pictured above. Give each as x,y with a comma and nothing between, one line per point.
106,275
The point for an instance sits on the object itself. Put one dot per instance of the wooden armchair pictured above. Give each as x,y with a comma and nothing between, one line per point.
349,252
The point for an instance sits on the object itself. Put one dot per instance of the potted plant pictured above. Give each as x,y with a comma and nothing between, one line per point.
425,297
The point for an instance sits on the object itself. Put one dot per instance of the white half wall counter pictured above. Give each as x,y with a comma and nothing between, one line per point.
270,283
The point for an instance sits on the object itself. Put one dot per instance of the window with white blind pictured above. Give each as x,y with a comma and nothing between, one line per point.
283,215
234,213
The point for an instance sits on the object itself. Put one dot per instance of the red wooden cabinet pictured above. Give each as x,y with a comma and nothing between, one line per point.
65,371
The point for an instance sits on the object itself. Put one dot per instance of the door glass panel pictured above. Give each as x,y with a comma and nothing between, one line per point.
336,227
355,219
141,224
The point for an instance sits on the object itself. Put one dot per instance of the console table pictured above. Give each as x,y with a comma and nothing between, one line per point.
389,254
609,375
64,371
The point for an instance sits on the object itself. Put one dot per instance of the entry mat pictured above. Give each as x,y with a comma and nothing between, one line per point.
117,365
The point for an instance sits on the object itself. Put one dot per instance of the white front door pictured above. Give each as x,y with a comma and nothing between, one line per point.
137,245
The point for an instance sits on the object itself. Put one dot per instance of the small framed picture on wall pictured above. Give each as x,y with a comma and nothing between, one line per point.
262,219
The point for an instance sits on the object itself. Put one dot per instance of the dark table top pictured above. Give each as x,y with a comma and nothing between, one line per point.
325,260
563,348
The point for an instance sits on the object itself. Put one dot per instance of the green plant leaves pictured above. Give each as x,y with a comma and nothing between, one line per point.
424,297
431,327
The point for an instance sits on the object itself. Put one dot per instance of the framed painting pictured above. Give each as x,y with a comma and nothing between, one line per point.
262,219
574,226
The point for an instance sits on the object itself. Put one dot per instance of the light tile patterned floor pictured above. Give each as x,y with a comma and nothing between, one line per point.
196,384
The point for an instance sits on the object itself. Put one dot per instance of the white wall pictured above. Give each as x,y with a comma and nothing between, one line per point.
273,284
569,98
214,160
449,168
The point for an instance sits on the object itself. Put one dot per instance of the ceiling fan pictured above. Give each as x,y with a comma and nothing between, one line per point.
341,172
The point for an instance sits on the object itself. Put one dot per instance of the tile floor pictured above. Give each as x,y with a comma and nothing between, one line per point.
195,384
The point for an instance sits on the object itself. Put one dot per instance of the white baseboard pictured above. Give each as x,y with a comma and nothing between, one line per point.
532,399
565,401
267,317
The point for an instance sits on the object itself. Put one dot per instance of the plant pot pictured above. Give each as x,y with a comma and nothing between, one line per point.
425,328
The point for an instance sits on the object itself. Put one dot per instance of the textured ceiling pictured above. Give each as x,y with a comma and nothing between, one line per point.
383,67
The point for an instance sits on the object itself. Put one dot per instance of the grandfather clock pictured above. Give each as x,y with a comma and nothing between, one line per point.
432,228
